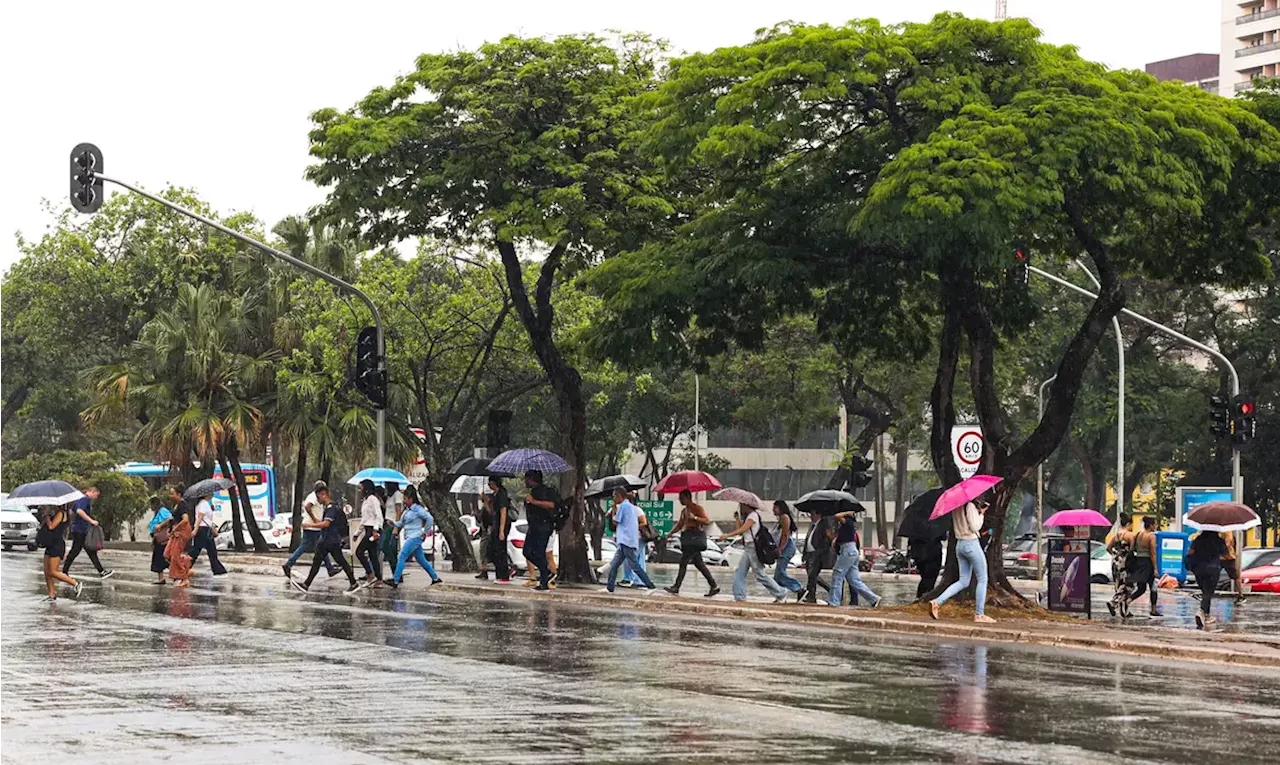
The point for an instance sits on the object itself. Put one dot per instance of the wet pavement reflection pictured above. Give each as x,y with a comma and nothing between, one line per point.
241,669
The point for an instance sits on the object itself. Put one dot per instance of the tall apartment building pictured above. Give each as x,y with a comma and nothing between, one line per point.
1250,43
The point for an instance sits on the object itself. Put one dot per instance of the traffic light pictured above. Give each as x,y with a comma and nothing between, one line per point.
86,186
371,373
858,475
1219,417
1020,272
1244,419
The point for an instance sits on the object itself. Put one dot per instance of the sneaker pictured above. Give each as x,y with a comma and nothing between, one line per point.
984,619
1240,598
392,584
531,583
1111,607
437,581
52,599
672,590
1199,620
79,586
541,588
877,603
502,581
1210,620
106,573
714,591
555,576
299,586
625,583
800,596
288,571
353,589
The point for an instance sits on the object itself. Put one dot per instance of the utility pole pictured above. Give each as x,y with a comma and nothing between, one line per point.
87,196
1040,492
1115,324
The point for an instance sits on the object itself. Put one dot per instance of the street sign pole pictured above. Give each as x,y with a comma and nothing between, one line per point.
273,252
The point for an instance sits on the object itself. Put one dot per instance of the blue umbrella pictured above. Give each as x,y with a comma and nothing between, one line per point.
44,493
379,475
516,461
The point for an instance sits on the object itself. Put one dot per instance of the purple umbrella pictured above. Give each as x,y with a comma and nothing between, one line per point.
517,461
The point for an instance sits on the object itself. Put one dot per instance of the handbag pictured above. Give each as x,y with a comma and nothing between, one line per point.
161,536
691,541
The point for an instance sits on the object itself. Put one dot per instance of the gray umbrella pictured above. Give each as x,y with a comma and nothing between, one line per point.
44,493
604,486
206,488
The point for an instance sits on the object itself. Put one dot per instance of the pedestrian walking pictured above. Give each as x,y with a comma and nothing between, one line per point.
177,549
627,538
416,522
333,531
847,556
787,528
312,512
161,519
752,527
927,555
393,507
692,528
1120,546
81,521
966,524
1140,567
486,534
819,546
1232,565
642,553
538,506
1204,559
370,531
499,503
51,537
205,535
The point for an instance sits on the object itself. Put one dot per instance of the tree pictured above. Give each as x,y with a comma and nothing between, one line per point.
123,498
892,170
520,146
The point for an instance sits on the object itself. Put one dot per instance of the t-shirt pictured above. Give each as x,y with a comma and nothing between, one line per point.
848,532
204,514
78,524
161,516
500,501
540,516
750,535
333,534
627,516
392,501
311,506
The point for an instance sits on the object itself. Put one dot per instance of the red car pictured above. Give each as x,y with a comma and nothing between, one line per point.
1261,579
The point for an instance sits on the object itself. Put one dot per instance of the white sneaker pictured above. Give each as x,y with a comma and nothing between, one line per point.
79,586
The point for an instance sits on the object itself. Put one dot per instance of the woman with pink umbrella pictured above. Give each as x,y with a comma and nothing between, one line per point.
966,526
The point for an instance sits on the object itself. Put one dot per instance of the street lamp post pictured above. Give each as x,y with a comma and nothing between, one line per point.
1040,493
1115,324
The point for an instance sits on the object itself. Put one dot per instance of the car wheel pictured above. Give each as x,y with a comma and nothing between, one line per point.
32,547
1098,579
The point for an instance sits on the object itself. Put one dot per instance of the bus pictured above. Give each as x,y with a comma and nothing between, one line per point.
258,478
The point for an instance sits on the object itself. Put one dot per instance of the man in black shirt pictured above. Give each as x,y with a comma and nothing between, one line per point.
333,529
538,507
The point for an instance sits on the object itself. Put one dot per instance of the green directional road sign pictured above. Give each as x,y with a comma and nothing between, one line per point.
661,514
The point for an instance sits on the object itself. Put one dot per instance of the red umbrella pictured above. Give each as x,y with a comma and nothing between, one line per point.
692,480
962,493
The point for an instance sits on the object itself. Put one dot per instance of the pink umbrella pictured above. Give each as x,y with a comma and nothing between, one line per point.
741,496
693,480
1077,518
964,492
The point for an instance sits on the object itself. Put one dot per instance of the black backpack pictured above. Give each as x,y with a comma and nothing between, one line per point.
560,515
766,545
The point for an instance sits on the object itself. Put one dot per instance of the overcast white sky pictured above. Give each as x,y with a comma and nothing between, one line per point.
215,95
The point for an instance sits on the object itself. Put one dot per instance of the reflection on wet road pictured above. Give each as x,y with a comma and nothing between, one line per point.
241,670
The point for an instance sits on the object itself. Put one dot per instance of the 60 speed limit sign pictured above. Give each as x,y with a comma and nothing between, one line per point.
966,448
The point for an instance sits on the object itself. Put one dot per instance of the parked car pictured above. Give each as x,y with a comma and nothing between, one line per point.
1261,578
1250,557
670,553
18,526
277,534
515,544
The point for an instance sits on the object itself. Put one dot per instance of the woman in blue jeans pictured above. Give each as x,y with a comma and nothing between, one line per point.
786,537
966,524
416,522
846,565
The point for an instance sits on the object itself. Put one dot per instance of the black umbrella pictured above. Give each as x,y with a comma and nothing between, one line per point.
604,486
474,466
915,523
829,502
206,488
44,493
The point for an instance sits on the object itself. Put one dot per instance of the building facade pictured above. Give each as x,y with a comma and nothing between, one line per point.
1250,44
1198,69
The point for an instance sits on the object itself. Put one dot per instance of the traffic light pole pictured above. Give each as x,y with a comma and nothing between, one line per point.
1237,483
1115,324
287,258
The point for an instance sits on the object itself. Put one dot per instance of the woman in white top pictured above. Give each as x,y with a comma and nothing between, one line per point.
750,562
205,536
966,523
371,529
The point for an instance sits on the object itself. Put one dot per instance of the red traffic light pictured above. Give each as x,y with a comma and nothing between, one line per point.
1247,407
1020,255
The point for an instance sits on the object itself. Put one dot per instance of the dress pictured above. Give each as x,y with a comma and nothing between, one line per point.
176,549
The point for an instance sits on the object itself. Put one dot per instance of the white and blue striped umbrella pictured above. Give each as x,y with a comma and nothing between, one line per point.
44,493
516,461
379,476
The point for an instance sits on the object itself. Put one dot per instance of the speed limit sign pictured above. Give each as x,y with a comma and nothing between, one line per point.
966,449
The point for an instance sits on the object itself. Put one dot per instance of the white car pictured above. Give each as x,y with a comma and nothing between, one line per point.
733,554
515,545
276,533
18,526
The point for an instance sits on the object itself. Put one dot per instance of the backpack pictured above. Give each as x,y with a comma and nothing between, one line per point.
560,515
766,545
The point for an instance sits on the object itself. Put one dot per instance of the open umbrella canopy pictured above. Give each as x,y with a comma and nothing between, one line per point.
915,519
604,486
741,496
207,488
379,476
691,480
517,461
829,502
1221,516
470,484
475,466
962,493
44,493
1078,518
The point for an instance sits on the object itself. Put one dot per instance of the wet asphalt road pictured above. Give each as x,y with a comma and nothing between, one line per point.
241,670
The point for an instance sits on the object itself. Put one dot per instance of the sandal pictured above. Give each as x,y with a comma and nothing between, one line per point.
935,610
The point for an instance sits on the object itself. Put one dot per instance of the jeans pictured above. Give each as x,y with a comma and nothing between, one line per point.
204,540
535,551
751,563
780,574
367,554
642,554
846,570
625,554
332,552
77,544
413,549
972,559
310,538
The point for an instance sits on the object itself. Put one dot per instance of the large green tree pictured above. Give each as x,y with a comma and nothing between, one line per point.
520,146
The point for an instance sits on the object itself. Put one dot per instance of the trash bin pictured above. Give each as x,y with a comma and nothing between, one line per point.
1171,554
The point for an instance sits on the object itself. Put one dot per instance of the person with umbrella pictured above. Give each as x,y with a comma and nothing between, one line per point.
50,536
750,563
924,539
692,528
538,506
966,525
1204,559
845,569
205,528
818,546
81,519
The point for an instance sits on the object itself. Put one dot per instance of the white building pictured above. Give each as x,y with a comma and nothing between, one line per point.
1250,43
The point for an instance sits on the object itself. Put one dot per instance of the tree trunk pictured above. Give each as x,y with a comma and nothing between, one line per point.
899,484
882,535
237,534
299,487
448,521
251,521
